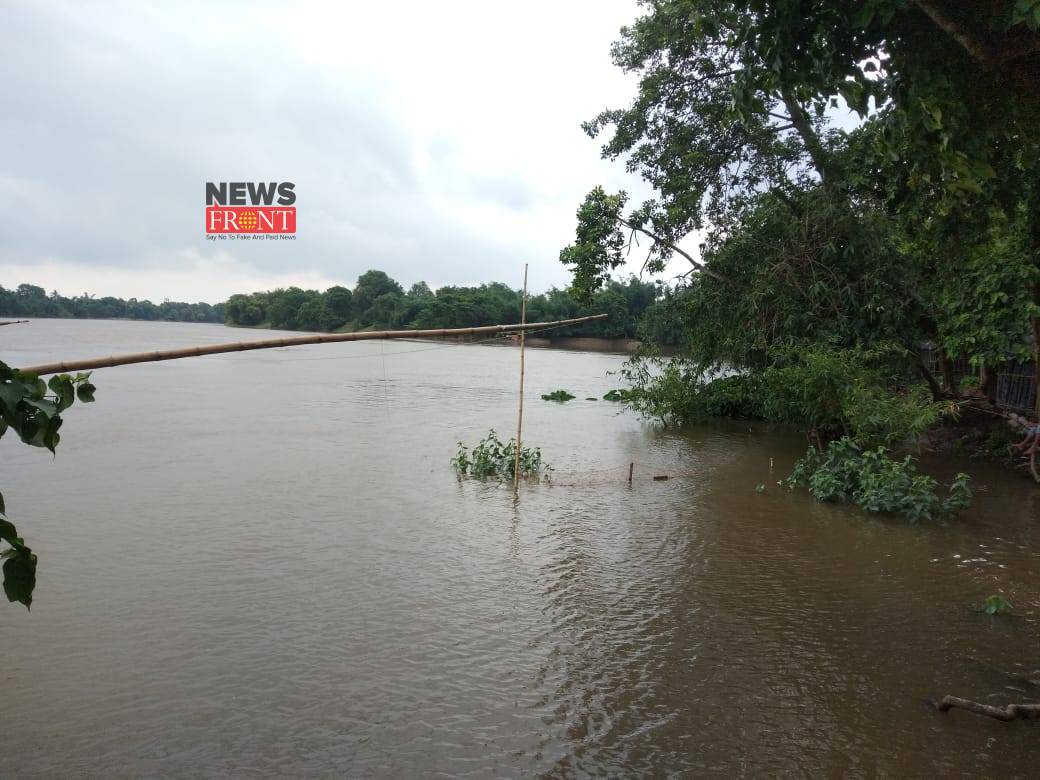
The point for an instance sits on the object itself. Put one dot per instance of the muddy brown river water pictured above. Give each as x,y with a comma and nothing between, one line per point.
262,565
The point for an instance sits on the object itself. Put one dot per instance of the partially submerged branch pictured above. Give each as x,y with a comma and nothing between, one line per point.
1008,713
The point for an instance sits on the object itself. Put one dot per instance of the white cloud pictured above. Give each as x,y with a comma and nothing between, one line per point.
177,277
436,141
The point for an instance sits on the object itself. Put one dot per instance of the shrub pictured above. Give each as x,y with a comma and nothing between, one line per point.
669,391
491,458
855,392
830,391
996,605
560,396
877,483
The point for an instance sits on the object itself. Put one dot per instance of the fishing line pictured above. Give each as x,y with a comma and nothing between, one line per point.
386,397
499,337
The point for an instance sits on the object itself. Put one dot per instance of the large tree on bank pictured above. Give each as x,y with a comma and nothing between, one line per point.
733,112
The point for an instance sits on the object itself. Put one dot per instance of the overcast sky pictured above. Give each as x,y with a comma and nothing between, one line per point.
435,141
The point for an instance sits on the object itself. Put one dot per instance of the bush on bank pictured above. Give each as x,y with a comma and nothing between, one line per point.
854,404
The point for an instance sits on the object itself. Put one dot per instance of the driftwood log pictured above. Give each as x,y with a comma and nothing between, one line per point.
1008,713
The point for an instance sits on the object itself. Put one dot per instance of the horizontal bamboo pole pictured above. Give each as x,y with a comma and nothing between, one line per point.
292,341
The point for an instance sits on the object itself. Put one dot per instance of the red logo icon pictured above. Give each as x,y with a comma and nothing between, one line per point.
251,219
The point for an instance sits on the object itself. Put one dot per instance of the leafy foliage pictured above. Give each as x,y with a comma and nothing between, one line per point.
828,257
876,482
491,458
32,409
676,393
560,396
996,605
379,302
830,392
922,224
984,309
848,390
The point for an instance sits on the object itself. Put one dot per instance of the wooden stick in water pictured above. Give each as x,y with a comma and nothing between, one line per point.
1008,713
292,341
520,414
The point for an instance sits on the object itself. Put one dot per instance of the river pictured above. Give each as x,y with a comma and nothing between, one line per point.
261,564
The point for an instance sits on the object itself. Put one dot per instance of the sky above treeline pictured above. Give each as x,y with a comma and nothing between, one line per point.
434,141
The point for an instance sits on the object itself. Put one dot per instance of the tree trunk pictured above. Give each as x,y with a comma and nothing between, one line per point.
937,393
1036,355
988,381
821,160
947,372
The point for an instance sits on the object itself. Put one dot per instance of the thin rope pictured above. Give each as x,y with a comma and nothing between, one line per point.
477,342
386,397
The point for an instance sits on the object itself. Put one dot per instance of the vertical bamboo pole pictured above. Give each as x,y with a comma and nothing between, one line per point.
520,413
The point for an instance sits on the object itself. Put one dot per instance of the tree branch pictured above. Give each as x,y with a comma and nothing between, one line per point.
819,156
1008,713
944,21
669,245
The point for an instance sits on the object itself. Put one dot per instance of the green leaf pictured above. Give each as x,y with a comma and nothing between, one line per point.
85,392
62,387
20,577
10,395
9,533
49,408
864,15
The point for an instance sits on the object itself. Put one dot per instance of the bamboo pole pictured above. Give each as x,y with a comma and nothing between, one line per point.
292,341
520,413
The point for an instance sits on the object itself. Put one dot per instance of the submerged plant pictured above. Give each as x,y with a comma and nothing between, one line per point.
560,396
873,481
996,605
493,458
616,395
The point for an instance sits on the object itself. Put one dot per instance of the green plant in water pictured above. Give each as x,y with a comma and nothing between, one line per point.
996,605
616,395
877,483
29,410
493,458
560,396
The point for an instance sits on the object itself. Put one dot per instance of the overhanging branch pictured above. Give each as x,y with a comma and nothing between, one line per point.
669,245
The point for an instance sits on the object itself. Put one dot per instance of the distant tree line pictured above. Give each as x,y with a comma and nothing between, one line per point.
28,300
379,302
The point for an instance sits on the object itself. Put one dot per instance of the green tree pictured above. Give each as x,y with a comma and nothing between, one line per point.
371,285
339,305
